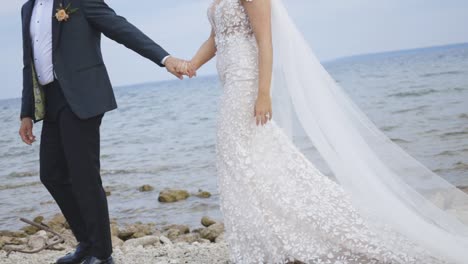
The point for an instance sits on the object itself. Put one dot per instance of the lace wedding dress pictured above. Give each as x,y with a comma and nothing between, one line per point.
277,206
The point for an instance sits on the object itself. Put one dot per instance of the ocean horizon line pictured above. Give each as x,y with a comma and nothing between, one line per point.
328,61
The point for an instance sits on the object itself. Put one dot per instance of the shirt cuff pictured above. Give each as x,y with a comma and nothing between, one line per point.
163,62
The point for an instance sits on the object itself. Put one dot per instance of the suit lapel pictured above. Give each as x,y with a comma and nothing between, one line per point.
56,25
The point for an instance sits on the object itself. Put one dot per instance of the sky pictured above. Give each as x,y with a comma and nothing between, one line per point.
334,28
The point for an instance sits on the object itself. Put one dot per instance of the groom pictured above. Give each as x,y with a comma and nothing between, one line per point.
65,83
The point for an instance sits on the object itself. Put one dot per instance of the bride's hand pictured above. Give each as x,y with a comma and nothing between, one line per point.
186,68
263,110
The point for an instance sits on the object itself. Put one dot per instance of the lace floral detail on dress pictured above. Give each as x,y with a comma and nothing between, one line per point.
276,205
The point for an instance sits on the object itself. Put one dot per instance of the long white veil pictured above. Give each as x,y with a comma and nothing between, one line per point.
386,184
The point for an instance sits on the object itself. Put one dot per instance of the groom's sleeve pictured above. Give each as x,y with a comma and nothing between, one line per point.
117,28
27,100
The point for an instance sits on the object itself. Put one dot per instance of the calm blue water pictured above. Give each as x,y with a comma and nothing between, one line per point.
163,134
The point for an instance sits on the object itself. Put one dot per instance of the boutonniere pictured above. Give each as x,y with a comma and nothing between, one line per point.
63,13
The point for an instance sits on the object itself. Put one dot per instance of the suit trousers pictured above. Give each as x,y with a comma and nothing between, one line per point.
70,170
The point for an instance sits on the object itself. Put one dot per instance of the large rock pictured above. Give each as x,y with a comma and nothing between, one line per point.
170,196
142,241
212,232
206,221
136,231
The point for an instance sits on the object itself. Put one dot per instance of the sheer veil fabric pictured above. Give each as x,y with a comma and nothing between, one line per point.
388,187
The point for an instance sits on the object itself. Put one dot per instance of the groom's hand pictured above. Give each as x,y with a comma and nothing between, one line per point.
179,67
26,131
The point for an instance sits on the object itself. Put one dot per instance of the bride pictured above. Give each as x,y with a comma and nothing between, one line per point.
277,207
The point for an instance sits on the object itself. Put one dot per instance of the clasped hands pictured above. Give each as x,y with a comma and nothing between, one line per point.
179,67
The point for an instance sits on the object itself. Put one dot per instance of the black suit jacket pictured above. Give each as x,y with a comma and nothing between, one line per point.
77,58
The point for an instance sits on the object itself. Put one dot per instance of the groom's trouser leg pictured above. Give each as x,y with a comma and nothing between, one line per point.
81,145
54,175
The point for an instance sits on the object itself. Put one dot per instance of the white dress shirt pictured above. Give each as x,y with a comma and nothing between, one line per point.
41,37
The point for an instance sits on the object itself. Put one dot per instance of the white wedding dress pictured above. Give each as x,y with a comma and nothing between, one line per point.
276,205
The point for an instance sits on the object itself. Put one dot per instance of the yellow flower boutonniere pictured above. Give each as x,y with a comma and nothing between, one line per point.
63,13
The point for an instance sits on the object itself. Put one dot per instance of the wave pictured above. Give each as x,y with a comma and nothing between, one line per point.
411,109
461,165
17,186
138,171
388,128
23,174
414,93
454,133
434,74
399,140
448,153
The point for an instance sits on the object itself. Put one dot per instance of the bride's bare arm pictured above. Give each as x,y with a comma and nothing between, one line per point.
206,52
259,12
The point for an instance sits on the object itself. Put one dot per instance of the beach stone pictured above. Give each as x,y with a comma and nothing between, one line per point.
6,233
184,229
203,241
165,240
58,222
38,219
14,247
172,234
38,240
70,240
188,238
13,240
30,230
203,194
206,221
136,231
212,232
116,242
126,234
170,196
220,238
142,241
197,230
114,229
146,188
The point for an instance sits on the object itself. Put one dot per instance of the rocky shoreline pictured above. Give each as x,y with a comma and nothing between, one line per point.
136,243
133,243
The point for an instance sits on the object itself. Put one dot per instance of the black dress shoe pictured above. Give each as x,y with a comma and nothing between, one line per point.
80,254
94,260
